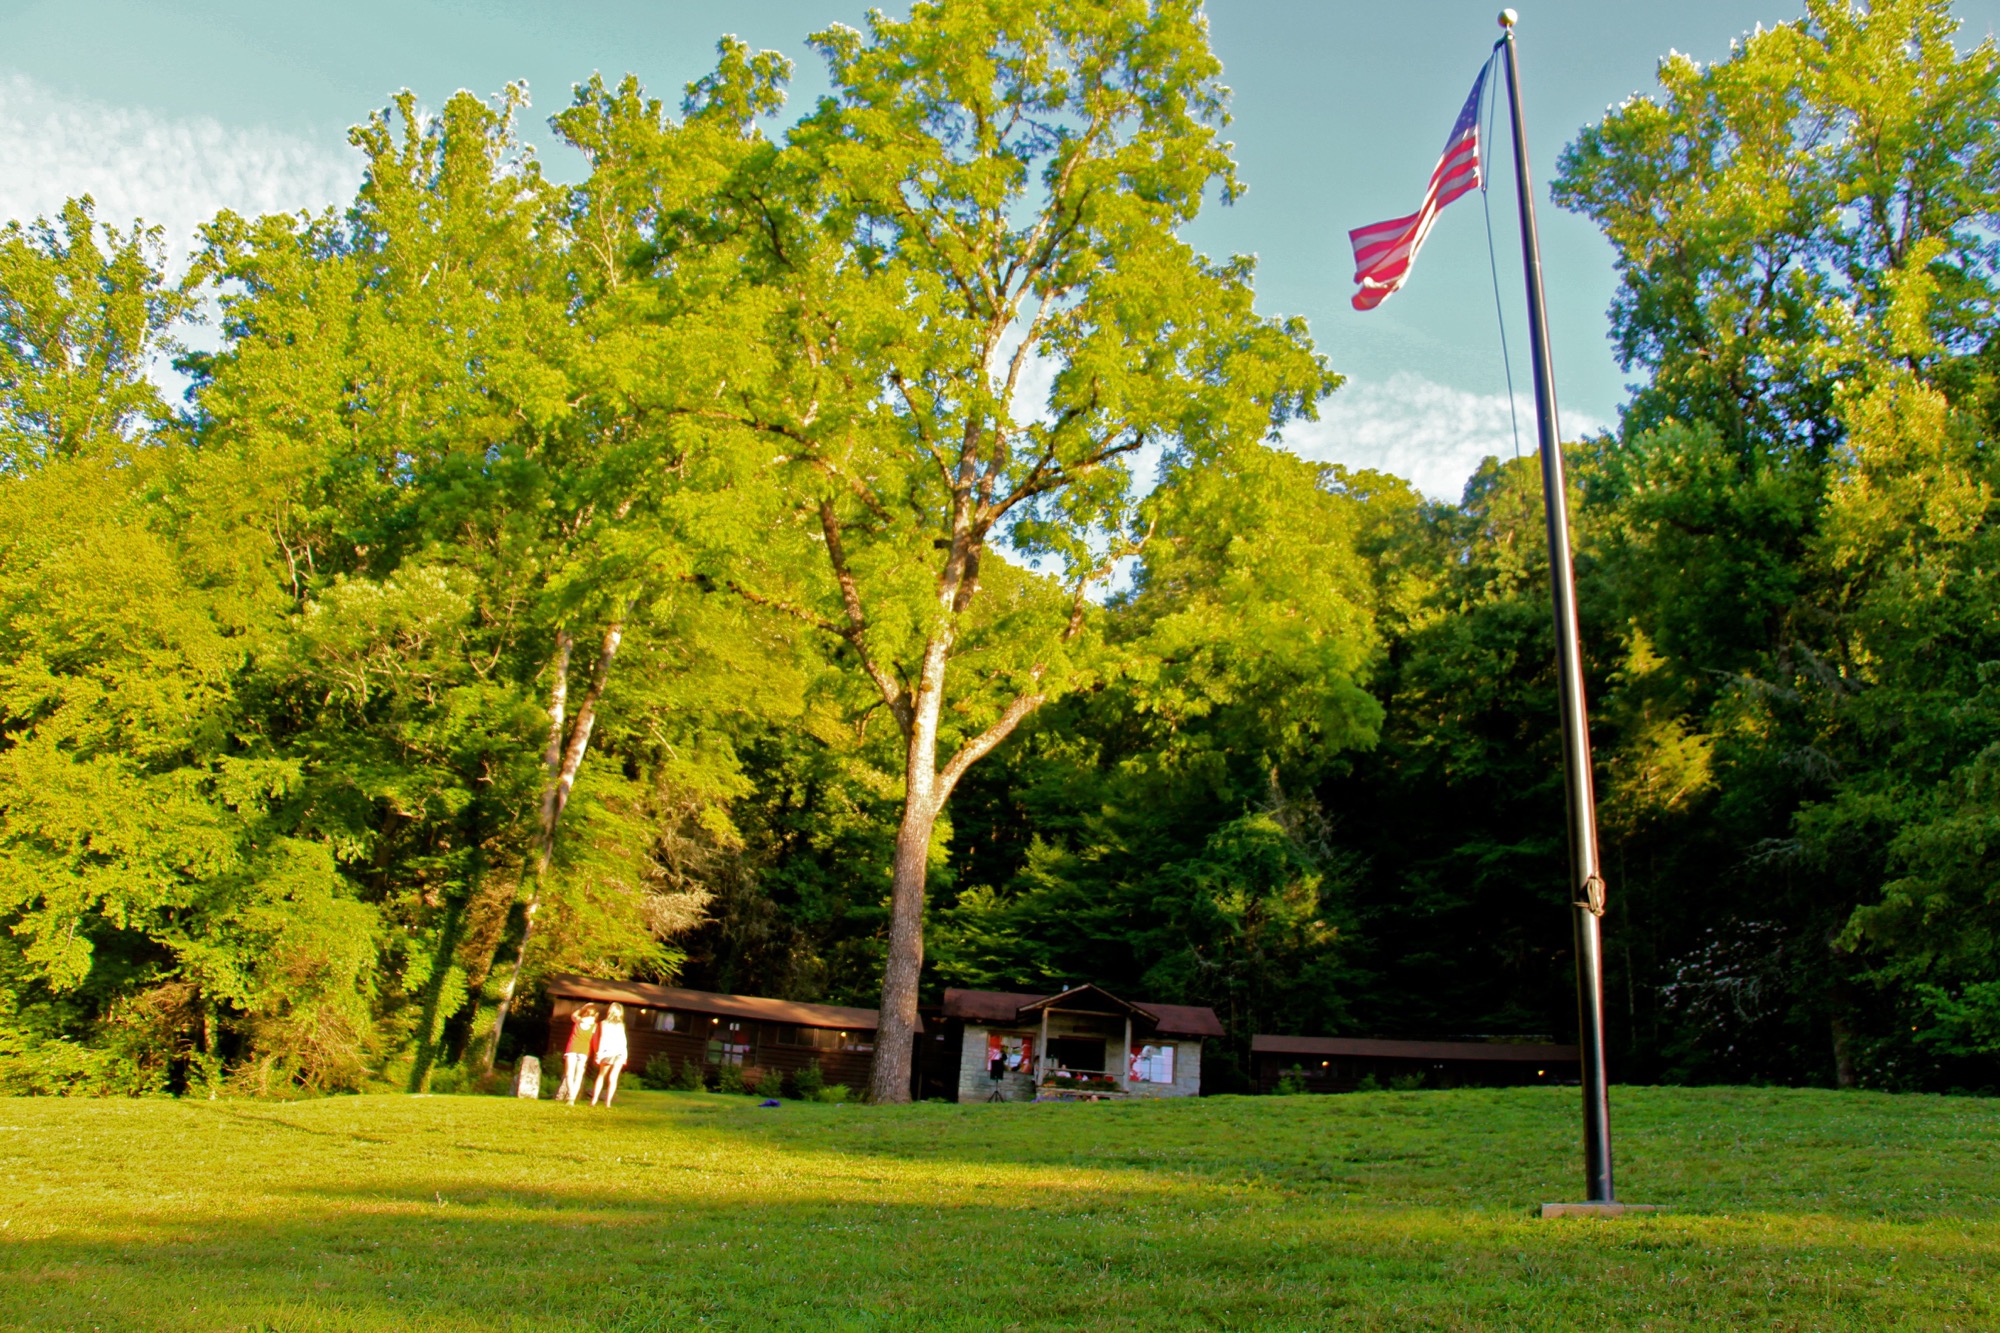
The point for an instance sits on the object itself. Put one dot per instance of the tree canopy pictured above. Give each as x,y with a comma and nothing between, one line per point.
843,557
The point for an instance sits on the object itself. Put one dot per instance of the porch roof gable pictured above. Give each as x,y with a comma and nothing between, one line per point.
1089,999
1001,1007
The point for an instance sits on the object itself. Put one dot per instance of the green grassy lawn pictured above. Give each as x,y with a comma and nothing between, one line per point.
1790,1210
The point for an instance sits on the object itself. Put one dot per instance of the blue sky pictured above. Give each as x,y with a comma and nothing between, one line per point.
172,109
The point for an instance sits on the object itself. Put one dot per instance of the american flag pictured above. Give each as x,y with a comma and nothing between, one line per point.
1384,252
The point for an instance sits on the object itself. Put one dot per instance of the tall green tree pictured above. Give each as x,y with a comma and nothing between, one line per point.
158,915
84,311
989,202
1791,525
479,518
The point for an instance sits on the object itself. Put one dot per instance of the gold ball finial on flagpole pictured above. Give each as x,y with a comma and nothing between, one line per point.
1508,18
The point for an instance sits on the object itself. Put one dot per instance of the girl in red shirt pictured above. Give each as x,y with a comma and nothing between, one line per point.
576,1055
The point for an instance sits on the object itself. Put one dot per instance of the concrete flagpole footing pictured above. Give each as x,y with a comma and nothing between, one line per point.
1596,1209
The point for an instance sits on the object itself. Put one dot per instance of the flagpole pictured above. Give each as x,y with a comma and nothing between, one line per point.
1586,870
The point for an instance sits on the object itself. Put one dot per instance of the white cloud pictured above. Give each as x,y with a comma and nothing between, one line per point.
1418,429
173,173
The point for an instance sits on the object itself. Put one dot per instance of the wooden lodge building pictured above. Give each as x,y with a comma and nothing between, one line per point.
712,1029
983,1045
1341,1064
977,1046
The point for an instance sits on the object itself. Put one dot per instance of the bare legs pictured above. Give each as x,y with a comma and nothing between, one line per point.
608,1069
574,1064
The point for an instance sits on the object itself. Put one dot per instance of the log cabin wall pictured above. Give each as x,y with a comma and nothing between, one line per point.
1420,1064
708,1040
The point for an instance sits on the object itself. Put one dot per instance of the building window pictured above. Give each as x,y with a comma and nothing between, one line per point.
668,1020
731,1043
1152,1064
822,1039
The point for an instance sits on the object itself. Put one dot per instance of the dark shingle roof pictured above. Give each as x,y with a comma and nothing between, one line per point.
996,1006
1380,1048
645,993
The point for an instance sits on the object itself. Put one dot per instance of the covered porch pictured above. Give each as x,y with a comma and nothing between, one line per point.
1082,1032
1083,1044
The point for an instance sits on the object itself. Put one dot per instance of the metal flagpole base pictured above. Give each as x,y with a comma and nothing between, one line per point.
1597,1209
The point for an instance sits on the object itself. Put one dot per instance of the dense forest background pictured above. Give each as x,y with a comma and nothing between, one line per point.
481,601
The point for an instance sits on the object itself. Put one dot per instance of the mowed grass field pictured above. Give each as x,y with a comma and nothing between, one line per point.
1790,1210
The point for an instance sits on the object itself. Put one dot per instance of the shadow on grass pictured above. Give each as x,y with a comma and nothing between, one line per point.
1384,1211
409,1256
1406,1148
262,1119
1721,1150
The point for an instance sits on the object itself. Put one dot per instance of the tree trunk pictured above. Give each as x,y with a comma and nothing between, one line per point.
1843,1056
926,789
563,763
895,1036
1841,1005
436,992
211,1065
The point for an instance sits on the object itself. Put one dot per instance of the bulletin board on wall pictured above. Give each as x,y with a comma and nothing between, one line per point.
1016,1049
1152,1064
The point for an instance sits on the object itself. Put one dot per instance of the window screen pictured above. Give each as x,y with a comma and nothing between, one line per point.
730,1044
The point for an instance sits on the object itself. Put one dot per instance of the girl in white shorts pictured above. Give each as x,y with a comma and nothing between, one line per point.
610,1054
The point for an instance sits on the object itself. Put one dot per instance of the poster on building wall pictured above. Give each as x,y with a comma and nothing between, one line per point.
1015,1052
1152,1064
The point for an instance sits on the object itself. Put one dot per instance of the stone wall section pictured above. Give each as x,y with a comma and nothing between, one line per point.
974,1084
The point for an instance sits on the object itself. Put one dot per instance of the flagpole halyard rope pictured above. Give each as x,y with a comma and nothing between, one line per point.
1493,266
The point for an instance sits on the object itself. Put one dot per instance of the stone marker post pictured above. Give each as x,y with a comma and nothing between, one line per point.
528,1076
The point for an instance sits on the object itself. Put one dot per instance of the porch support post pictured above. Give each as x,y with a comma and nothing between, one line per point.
1124,1067
1042,1054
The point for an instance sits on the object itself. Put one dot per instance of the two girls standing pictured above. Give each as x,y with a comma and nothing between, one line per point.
602,1036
